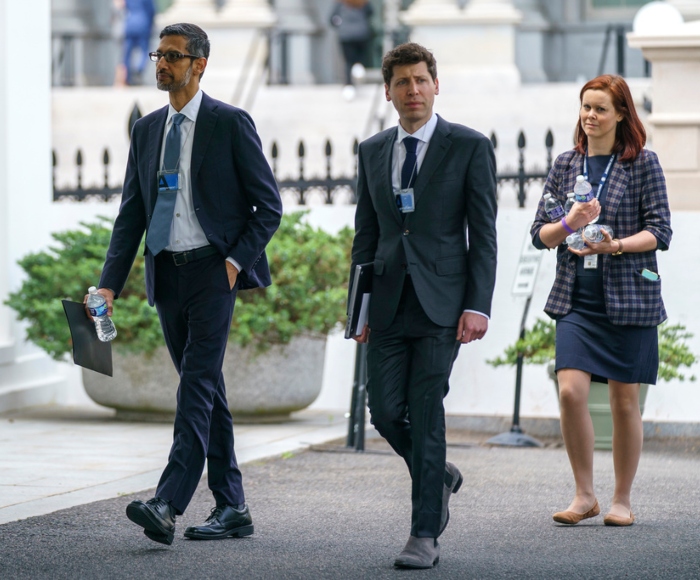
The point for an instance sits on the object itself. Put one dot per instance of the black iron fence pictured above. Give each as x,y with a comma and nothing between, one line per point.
331,187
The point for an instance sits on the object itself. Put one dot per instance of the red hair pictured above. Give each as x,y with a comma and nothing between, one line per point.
630,135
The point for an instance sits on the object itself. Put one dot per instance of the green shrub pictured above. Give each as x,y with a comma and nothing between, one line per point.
537,347
309,271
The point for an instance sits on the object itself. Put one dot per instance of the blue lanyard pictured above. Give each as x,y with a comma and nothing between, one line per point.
603,177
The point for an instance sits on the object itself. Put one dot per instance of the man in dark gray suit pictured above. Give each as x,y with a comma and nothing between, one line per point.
426,219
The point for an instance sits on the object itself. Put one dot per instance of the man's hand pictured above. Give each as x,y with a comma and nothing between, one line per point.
232,272
364,337
471,326
109,299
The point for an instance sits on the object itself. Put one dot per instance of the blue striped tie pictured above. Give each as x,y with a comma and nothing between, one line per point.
158,235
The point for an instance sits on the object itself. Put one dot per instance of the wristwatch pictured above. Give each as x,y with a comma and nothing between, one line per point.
619,250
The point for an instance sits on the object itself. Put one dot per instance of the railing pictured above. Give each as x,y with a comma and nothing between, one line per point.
331,187
521,178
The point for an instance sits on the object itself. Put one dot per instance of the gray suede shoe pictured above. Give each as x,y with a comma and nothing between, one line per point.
419,553
456,479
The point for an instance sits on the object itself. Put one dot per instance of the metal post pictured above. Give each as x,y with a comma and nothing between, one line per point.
350,441
524,285
361,401
621,50
519,373
521,170
515,437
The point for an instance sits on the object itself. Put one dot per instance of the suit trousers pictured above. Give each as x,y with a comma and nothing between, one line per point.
409,366
195,305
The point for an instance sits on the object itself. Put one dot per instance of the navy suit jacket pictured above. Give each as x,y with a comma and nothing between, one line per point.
448,243
234,194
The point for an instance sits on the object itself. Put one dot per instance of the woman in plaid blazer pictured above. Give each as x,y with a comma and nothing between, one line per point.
606,298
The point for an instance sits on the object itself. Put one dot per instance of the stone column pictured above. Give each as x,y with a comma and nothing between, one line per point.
675,117
293,52
27,375
475,43
529,42
238,35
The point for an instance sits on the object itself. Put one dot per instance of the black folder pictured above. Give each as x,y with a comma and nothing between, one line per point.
358,304
88,350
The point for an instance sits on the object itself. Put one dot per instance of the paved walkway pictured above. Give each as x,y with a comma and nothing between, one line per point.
346,516
54,458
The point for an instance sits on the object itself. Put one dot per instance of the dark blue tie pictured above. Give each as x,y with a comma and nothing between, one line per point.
410,166
158,235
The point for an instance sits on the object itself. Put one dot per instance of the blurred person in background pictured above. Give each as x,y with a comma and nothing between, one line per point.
138,23
351,18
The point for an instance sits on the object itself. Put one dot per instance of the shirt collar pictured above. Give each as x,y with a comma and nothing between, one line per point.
423,134
190,110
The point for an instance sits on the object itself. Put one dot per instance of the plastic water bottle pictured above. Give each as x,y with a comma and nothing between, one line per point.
575,241
553,208
569,202
583,191
594,232
97,305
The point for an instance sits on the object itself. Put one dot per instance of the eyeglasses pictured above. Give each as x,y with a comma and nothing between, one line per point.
170,56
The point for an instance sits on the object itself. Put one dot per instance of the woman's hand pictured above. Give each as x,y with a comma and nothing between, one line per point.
582,214
605,246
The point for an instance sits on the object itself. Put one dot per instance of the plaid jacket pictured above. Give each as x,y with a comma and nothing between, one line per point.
636,200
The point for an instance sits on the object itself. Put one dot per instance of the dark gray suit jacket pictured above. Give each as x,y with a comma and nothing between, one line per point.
448,243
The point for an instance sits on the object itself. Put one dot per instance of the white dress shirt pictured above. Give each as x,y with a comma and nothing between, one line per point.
186,233
423,135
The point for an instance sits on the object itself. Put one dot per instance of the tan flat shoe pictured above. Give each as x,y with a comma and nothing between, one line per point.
569,517
613,520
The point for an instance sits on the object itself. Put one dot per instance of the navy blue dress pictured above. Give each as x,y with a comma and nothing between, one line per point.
587,340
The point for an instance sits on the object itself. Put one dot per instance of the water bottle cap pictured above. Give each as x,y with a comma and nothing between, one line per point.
92,290
580,178
547,195
571,194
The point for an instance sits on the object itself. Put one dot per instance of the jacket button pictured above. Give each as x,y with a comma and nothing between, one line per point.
406,233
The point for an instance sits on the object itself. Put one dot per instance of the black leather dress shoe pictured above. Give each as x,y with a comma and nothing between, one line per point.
453,481
225,521
156,517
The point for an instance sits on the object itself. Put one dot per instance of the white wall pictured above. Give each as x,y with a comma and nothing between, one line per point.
479,389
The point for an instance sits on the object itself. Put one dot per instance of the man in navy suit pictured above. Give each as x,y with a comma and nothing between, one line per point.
197,183
426,219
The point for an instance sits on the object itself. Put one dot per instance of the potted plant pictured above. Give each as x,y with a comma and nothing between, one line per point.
537,347
274,363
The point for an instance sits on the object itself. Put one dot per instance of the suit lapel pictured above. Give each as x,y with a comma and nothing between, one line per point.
155,146
203,130
616,185
437,149
383,171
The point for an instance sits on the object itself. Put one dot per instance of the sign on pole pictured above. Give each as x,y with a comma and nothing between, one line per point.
528,265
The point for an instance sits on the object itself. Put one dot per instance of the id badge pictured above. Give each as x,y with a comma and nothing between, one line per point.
169,180
590,262
405,200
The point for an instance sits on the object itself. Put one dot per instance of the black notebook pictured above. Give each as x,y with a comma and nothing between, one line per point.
358,306
88,350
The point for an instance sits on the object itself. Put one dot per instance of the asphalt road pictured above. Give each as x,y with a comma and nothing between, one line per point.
346,515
